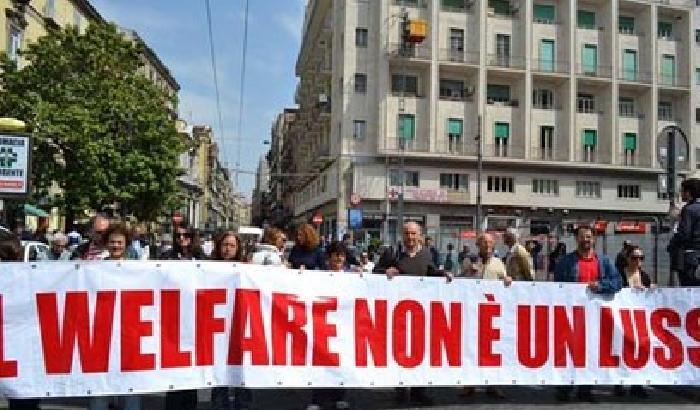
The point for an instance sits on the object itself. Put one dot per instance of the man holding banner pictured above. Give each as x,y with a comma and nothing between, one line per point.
585,265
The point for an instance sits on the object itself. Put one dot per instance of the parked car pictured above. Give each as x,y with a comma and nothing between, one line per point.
35,251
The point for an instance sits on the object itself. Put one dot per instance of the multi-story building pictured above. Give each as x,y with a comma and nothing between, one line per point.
261,204
567,98
279,161
191,181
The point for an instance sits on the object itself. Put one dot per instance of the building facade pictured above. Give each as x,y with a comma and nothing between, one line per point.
279,160
566,97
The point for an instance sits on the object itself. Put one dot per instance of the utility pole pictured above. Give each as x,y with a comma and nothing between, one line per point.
479,170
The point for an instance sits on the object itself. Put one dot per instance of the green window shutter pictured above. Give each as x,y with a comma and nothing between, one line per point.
500,6
586,19
626,24
502,130
590,138
407,126
454,126
590,58
629,65
630,141
547,55
668,69
543,13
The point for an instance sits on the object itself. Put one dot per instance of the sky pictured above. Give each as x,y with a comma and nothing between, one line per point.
177,31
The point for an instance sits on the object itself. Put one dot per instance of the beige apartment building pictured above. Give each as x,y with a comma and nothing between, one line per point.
567,96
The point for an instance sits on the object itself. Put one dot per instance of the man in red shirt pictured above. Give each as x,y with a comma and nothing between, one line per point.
585,265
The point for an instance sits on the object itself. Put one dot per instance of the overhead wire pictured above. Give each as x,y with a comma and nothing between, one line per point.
241,100
212,52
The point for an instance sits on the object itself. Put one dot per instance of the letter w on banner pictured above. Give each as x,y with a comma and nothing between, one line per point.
108,328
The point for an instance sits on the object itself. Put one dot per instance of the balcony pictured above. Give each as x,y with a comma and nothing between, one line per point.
407,146
635,76
467,6
675,82
506,61
594,156
600,71
549,154
632,158
504,151
401,50
459,56
456,147
549,66
411,3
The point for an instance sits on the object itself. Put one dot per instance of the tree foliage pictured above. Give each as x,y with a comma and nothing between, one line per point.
102,130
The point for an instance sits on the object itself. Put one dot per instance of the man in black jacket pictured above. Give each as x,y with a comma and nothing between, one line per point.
685,243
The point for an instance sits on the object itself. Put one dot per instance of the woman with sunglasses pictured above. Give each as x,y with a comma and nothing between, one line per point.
229,248
633,276
185,248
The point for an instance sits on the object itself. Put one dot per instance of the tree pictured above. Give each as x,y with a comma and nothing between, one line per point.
102,130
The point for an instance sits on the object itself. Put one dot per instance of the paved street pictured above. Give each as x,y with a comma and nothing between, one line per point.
521,398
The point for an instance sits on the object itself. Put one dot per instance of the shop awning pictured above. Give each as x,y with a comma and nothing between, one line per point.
34,211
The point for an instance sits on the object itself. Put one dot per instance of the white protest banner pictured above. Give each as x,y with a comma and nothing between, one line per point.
106,328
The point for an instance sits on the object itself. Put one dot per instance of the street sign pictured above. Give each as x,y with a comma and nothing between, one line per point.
15,151
317,219
355,199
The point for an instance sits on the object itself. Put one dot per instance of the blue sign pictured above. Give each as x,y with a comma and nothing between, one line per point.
355,218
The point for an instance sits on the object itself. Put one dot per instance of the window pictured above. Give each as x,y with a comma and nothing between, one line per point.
14,42
697,36
412,178
451,89
546,142
628,192
546,55
455,182
665,30
361,37
500,7
360,83
503,50
668,69
590,138
629,65
586,103
588,189
543,99
665,111
453,5
589,59
625,25
455,128
502,130
630,141
406,83
545,187
500,184
585,19
543,13
497,93
456,42
697,76
359,129
626,107
697,115
407,127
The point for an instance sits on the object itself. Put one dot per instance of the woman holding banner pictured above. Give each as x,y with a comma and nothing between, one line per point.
228,248
117,238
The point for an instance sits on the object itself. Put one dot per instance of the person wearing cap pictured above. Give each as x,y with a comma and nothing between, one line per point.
621,258
519,265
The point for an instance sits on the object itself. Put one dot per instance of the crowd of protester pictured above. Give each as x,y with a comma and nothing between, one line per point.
416,256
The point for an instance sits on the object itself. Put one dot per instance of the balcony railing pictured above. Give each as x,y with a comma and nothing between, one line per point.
506,61
549,154
412,3
459,56
625,113
669,81
632,158
504,151
634,76
457,146
593,156
401,50
467,7
409,145
550,66
600,71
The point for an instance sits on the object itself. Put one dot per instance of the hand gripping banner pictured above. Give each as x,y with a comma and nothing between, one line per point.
103,328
